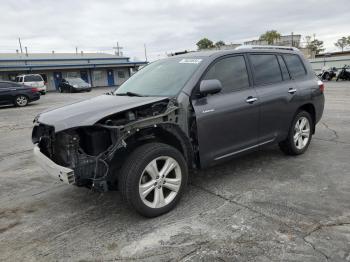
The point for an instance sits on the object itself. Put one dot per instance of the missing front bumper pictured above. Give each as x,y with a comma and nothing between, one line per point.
63,174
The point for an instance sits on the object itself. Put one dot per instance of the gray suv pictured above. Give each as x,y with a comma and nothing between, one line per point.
181,113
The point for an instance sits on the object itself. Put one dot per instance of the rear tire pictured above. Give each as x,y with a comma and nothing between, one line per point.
153,178
299,136
21,100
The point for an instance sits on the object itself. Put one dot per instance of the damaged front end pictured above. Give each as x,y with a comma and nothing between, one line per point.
86,155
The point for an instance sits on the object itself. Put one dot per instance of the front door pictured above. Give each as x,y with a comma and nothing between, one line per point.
110,77
57,76
227,122
5,93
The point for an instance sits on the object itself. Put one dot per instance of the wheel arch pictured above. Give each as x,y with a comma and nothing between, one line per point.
310,108
170,134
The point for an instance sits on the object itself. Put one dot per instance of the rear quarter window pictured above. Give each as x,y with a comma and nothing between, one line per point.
284,69
266,68
295,66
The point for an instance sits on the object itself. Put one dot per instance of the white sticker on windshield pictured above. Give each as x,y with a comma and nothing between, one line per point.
190,61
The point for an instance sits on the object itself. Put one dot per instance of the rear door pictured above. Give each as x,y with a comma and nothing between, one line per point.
276,92
227,122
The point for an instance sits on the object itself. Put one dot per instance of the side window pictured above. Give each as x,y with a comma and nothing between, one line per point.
18,79
295,66
231,72
284,69
266,69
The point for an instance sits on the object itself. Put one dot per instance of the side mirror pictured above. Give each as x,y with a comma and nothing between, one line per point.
211,86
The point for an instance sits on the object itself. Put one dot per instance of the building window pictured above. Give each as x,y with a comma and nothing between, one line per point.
121,74
72,74
97,75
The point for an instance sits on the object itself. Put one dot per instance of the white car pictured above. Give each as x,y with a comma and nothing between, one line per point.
34,80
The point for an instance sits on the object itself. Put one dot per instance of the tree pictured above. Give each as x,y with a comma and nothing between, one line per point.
343,43
270,36
205,43
316,46
220,43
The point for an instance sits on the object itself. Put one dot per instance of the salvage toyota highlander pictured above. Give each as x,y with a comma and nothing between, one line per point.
181,113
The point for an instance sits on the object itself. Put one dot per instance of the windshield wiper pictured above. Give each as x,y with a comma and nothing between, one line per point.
129,94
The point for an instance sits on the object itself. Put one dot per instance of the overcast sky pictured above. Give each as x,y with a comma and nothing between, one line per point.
164,26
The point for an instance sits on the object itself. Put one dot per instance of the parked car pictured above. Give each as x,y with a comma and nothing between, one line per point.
17,94
73,84
184,112
33,80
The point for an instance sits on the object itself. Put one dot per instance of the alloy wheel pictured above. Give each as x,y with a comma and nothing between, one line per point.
160,182
21,101
301,133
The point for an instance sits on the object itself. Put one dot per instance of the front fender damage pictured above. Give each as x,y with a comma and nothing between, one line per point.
90,151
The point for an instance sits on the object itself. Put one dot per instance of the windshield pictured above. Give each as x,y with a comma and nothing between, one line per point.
76,81
164,77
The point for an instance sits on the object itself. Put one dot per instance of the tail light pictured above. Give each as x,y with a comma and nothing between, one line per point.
320,85
34,90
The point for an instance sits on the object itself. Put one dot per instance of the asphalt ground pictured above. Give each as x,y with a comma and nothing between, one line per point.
264,206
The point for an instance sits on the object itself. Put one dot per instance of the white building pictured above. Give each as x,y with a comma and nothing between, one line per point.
98,69
327,60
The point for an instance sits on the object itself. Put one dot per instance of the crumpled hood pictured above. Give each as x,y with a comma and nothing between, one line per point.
88,112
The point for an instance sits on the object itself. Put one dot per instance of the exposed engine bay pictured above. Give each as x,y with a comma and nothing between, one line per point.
91,150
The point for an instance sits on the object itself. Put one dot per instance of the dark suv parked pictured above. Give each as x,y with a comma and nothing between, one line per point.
17,94
184,112
73,84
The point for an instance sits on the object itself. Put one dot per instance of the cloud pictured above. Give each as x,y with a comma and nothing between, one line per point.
164,26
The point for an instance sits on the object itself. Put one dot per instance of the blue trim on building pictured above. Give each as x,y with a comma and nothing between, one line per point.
61,59
29,67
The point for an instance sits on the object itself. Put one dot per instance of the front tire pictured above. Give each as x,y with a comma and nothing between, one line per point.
299,136
153,179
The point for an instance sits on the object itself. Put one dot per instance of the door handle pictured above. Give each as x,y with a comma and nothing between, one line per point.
292,90
251,100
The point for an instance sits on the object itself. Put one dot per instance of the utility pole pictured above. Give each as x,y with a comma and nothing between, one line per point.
20,45
26,50
118,48
76,50
292,39
144,45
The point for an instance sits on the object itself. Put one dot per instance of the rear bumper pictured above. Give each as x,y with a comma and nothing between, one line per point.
42,89
63,174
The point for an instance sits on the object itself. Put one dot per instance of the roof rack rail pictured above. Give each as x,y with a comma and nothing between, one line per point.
267,47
